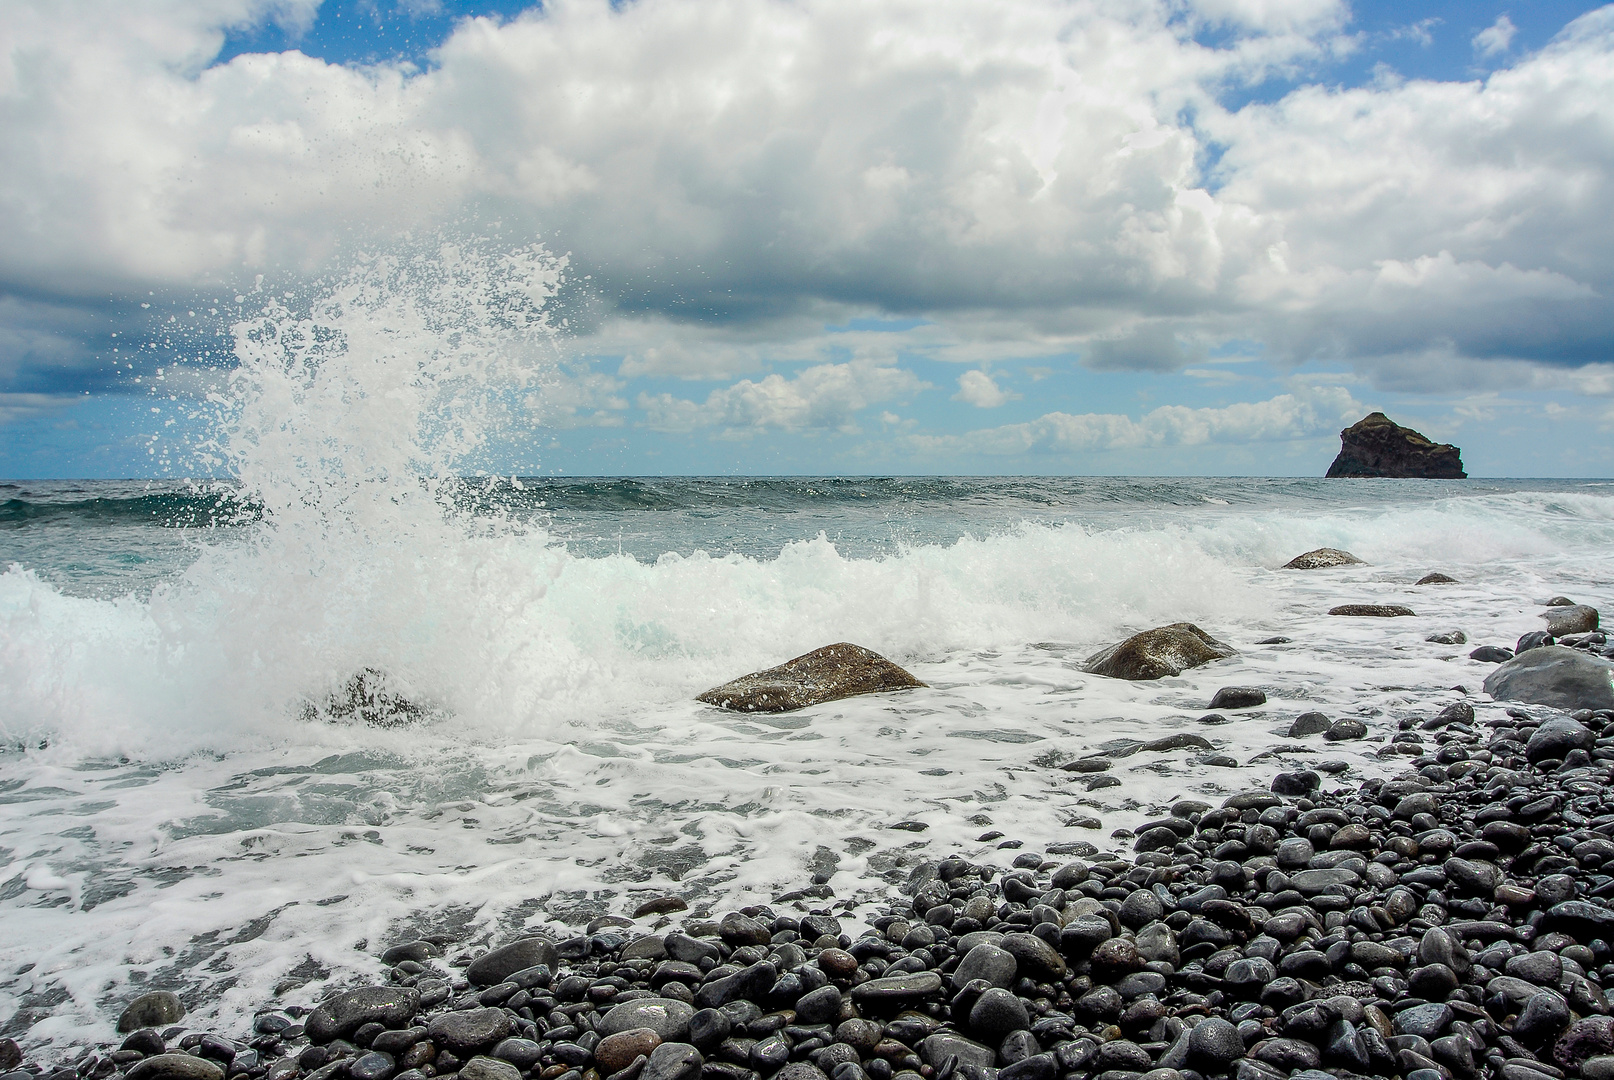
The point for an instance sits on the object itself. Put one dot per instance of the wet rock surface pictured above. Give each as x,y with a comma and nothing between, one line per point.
1372,611
1238,697
1322,558
827,674
1158,653
159,1008
1554,675
1566,619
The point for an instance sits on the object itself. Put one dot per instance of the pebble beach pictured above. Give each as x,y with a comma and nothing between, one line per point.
1450,920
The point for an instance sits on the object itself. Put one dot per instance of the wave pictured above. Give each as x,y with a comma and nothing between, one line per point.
505,632
783,494
510,634
213,504
163,509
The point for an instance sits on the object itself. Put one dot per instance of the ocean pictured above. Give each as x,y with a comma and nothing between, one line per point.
182,809
191,802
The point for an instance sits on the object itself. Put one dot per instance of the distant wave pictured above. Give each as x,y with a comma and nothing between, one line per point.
183,506
784,494
169,509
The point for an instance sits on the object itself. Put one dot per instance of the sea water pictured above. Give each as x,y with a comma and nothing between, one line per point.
189,802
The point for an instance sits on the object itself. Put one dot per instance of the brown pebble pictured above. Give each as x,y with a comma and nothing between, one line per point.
660,905
1117,955
1405,846
1378,1020
1514,895
891,1050
618,1051
837,963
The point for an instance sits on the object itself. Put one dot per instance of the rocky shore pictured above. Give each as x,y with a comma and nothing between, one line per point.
1451,923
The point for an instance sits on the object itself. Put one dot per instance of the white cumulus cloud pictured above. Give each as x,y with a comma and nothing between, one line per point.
1496,38
978,388
1294,415
1048,176
825,397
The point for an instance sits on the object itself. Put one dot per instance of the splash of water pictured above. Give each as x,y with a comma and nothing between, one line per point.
354,422
368,405
348,425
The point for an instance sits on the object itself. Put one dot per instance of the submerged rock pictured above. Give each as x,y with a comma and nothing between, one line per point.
1378,446
370,697
1157,653
1183,740
1321,558
1344,729
1372,611
1556,676
1435,579
827,674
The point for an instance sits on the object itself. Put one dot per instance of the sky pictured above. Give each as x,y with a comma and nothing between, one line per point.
841,236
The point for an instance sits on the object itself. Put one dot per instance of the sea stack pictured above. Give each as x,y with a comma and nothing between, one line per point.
1378,446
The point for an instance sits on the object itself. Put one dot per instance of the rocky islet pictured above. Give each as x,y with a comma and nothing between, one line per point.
1377,446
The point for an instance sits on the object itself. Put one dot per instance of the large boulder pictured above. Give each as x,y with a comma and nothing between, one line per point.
1556,676
835,671
1157,653
1378,446
1321,558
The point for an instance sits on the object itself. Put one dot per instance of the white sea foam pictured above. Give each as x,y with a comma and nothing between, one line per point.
174,817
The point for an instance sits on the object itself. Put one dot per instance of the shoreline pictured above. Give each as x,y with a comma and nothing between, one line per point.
1383,866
